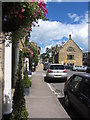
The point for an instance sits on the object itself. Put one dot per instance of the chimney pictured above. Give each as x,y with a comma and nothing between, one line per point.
70,37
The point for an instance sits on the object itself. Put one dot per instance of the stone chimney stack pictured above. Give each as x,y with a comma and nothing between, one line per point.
70,37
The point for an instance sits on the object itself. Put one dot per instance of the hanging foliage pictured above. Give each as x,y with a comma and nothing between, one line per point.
16,15
26,52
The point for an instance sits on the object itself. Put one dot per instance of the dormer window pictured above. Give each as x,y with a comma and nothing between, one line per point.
70,49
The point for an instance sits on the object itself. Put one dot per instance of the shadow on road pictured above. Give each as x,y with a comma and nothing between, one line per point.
74,115
54,80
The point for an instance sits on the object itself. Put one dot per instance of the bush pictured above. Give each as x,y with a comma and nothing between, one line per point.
24,114
19,109
26,81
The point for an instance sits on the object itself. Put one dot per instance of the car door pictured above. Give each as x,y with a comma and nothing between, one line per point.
84,98
73,91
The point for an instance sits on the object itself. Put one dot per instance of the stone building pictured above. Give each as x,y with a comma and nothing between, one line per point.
85,58
88,59
37,48
70,53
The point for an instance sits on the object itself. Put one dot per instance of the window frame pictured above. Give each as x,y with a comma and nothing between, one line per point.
70,49
68,57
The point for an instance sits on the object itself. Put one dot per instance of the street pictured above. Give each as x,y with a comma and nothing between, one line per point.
43,93
57,89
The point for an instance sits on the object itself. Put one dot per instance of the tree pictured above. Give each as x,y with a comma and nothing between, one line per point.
44,57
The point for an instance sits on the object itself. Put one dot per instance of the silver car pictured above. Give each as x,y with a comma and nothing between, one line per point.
56,71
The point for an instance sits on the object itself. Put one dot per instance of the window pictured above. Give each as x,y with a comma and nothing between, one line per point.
75,82
70,57
85,88
57,67
38,51
70,49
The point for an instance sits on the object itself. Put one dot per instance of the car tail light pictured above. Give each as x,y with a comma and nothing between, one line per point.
65,71
49,71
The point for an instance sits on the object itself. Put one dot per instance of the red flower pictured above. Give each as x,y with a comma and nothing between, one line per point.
39,12
45,12
40,5
44,5
22,10
30,29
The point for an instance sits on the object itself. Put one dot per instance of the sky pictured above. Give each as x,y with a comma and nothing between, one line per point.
64,18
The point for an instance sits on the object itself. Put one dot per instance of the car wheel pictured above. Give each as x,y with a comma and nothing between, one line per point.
67,101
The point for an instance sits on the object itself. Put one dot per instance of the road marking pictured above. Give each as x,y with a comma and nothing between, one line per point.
50,87
56,94
59,96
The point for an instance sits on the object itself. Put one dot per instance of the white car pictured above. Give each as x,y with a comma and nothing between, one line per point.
79,68
56,71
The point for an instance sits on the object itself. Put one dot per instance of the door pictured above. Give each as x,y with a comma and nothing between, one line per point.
73,91
85,97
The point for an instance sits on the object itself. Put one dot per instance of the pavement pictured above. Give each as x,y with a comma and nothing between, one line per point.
41,102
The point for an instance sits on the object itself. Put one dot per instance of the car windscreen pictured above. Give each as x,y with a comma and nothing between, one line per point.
57,67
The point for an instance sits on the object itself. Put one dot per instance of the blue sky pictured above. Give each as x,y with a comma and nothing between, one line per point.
64,18
57,11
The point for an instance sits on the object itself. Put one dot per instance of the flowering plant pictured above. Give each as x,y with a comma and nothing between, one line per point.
26,52
22,14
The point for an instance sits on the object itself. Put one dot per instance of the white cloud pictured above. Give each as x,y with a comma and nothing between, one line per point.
75,17
49,31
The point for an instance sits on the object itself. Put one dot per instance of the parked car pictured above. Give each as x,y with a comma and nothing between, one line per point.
46,65
79,68
56,71
77,93
68,67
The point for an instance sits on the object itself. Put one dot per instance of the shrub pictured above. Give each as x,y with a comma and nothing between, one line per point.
24,113
26,81
19,109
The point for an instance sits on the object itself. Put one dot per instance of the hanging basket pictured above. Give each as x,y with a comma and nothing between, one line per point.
26,52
